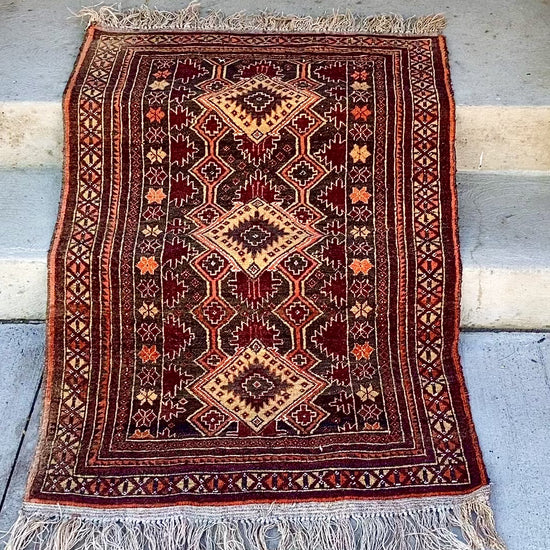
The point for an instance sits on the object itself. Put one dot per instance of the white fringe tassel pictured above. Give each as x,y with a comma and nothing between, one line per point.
146,18
466,525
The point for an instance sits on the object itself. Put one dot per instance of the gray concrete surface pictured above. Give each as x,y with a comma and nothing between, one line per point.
505,248
21,357
502,216
499,48
29,202
508,377
488,137
502,219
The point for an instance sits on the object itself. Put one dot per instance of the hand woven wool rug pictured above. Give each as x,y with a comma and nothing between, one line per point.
254,293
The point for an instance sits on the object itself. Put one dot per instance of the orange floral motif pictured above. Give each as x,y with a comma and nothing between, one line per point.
361,113
162,74
359,75
155,115
362,351
360,266
149,354
147,264
155,195
142,434
359,195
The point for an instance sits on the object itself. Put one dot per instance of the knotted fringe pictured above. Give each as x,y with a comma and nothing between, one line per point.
438,525
189,18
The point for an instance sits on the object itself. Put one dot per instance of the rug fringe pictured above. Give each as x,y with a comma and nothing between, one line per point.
466,525
189,18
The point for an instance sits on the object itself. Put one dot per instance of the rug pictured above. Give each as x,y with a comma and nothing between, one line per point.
254,293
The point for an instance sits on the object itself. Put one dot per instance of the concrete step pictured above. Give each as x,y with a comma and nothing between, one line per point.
504,221
499,49
22,356
515,446
489,138
505,251
498,52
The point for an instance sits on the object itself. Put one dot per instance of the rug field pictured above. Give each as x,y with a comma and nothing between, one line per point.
254,294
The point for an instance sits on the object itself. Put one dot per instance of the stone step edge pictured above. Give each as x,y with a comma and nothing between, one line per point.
491,137
5,171
492,297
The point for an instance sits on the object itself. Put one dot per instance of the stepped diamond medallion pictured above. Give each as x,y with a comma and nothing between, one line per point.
257,386
259,105
256,235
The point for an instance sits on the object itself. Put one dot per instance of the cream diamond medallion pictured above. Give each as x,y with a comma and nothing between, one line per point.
256,235
259,105
257,386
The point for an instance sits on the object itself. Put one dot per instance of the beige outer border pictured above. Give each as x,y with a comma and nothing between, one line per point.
311,510
463,522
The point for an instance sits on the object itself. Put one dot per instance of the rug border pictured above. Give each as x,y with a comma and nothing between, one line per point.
453,324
